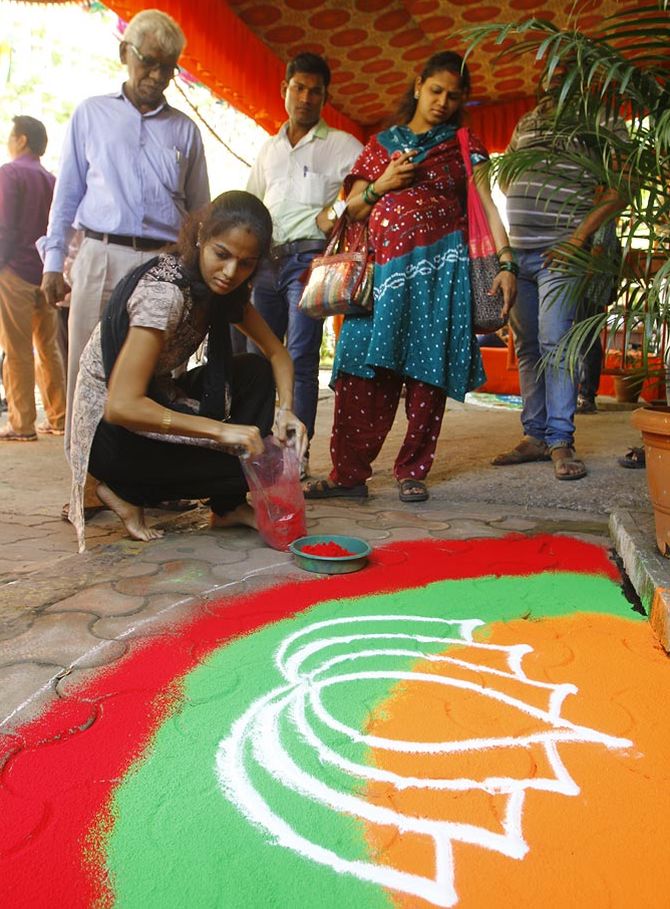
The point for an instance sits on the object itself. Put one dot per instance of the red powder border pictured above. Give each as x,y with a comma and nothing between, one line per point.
59,772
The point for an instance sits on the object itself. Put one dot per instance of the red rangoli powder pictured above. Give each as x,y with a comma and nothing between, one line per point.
279,521
332,549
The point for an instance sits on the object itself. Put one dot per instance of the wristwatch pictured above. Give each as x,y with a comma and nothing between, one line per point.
336,210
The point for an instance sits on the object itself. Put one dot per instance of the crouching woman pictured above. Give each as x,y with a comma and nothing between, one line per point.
147,437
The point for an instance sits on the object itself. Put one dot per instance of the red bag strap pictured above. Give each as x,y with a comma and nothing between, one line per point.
337,236
358,238
463,135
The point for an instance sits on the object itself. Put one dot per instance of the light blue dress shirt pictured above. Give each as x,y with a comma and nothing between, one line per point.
123,172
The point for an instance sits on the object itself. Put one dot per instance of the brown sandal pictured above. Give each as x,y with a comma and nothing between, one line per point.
529,449
566,465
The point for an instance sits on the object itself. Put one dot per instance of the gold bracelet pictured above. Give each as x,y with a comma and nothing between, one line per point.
166,422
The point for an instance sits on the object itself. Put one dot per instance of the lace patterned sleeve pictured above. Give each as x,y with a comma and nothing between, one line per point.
155,304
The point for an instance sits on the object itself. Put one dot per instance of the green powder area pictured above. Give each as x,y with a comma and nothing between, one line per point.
178,841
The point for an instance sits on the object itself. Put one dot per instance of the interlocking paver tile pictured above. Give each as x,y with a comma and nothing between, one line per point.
349,527
405,518
177,576
25,683
58,638
27,520
520,524
136,568
462,530
15,533
258,559
208,546
71,680
13,622
75,720
159,613
254,583
99,600
353,508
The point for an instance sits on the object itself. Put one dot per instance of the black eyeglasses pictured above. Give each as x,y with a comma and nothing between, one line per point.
167,70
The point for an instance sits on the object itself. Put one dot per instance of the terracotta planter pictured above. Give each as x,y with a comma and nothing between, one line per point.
627,388
654,423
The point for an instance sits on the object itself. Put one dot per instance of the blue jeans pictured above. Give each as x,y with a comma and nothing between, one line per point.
278,286
544,311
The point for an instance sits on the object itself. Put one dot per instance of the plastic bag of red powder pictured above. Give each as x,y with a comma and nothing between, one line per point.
276,493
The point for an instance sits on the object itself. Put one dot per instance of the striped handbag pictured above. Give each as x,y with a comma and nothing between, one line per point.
340,280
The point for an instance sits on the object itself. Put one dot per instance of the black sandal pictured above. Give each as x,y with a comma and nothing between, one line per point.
412,490
634,459
322,489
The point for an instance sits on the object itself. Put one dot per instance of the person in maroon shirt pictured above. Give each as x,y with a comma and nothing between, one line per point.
27,321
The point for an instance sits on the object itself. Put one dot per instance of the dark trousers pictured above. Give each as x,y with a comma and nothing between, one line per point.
146,471
590,367
278,286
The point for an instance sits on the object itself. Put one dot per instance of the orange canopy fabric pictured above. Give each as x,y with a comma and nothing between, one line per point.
239,48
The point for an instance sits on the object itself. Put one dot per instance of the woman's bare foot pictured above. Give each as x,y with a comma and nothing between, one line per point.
243,514
132,516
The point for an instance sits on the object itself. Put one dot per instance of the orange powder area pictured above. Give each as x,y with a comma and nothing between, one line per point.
608,846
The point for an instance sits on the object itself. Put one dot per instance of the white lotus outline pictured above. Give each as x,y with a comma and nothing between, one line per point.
259,728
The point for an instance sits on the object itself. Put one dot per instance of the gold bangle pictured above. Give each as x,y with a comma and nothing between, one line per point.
166,422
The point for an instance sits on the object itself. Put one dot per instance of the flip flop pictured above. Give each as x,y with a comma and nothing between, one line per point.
322,489
563,463
634,459
405,494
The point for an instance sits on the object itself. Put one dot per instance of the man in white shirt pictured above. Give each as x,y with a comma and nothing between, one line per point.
298,174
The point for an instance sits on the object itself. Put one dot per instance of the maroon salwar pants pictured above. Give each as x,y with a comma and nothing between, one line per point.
363,417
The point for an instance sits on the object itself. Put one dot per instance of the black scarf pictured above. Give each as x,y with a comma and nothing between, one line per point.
215,399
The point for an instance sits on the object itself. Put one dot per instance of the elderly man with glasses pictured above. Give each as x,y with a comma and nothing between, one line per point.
131,168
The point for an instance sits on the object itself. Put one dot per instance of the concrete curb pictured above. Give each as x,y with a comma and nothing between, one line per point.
649,573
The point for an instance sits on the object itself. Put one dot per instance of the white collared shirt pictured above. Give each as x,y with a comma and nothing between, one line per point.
296,182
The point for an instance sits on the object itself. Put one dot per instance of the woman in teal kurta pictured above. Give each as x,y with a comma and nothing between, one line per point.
410,183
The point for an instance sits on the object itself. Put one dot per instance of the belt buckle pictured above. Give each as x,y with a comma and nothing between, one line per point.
134,243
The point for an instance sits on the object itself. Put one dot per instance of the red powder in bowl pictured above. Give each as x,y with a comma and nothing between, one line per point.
332,549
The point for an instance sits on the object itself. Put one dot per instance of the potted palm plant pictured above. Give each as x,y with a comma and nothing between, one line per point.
619,71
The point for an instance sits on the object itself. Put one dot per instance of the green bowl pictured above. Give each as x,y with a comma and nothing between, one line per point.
324,564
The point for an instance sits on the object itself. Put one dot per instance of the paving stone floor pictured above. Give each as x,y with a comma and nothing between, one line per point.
64,616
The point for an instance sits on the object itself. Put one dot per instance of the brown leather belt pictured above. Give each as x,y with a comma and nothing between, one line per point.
295,247
143,244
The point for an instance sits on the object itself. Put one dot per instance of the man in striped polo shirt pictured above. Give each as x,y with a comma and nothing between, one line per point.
550,208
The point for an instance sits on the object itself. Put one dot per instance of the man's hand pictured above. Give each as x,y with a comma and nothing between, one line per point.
54,287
